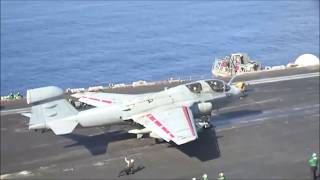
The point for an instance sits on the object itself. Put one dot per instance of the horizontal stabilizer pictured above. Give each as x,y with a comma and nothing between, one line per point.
26,115
63,126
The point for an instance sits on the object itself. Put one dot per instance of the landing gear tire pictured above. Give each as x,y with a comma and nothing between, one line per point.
207,126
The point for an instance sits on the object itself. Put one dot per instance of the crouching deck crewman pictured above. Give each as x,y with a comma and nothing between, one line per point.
130,167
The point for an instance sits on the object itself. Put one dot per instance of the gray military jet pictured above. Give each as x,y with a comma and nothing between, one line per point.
176,114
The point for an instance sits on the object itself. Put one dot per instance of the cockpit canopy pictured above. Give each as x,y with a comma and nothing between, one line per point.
218,85
195,87
215,84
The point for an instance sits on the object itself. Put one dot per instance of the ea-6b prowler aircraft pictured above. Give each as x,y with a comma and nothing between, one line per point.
176,114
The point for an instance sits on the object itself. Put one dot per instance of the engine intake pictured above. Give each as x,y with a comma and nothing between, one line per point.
205,108
201,109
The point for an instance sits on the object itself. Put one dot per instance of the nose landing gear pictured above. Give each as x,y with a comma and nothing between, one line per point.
203,123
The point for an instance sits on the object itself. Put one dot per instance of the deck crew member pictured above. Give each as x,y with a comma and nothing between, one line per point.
313,163
221,176
130,165
205,177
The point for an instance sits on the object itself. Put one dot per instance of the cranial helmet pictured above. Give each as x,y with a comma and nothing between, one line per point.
132,160
221,174
314,155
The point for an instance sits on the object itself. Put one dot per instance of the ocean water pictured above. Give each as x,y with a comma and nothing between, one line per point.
85,43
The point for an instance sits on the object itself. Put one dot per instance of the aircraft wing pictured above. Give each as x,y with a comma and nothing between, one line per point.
102,99
175,125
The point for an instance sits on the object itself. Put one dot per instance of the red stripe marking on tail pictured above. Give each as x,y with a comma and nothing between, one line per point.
186,114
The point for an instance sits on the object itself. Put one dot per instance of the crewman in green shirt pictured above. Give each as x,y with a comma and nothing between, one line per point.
17,96
11,96
313,163
205,177
221,176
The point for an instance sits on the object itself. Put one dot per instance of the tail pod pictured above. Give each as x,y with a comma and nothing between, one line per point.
51,111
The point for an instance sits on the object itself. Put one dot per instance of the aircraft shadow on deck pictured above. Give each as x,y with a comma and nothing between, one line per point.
97,144
205,148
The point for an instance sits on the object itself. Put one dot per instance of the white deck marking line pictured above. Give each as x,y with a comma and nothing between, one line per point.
283,78
15,175
15,111
68,169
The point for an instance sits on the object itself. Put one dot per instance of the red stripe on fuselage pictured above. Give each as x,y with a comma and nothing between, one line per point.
106,101
151,117
158,123
186,114
93,98
165,130
96,99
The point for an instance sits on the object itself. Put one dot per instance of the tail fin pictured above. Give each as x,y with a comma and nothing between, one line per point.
51,111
